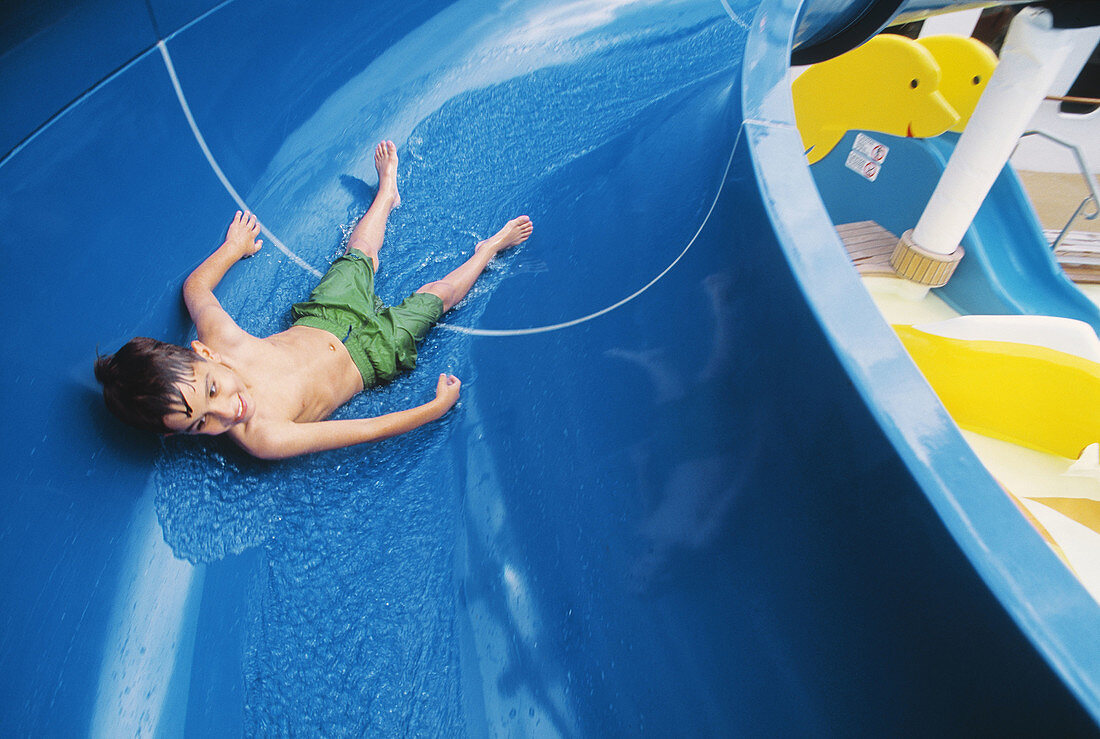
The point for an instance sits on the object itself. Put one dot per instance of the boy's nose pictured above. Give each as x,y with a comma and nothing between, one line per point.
227,408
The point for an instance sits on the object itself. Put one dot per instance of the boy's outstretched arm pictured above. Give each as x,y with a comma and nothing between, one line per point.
198,289
290,439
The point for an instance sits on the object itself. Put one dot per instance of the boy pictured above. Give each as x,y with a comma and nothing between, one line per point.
272,395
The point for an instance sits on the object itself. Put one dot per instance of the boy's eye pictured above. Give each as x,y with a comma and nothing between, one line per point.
200,424
213,390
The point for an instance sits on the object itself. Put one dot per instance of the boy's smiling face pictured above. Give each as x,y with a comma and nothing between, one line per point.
218,400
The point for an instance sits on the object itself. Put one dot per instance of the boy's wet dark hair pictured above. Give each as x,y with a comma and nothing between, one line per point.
140,381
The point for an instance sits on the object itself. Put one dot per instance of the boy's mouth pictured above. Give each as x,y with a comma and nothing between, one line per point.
241,409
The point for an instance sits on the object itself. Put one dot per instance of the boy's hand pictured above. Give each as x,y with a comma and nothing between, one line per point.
446,392
242,233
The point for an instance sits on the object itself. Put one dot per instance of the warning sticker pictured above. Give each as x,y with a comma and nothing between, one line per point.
870,148
862,165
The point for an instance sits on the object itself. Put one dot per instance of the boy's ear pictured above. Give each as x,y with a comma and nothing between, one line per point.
204,351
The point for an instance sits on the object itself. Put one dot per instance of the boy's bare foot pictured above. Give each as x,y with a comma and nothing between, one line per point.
515,231
385,161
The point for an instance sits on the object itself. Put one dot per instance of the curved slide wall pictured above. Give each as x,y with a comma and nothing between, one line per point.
693,486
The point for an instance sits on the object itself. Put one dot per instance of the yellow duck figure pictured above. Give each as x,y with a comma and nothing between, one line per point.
966,64
889,84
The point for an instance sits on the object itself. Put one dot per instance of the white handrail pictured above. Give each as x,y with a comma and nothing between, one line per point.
1090,181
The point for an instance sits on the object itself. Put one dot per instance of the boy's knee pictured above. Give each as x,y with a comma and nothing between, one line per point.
442,290
365,248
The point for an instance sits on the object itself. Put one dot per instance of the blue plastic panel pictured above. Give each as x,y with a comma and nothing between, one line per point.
693,485
828,28
172,15
103,216
277,80
52,52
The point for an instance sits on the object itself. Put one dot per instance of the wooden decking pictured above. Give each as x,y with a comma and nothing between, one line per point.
870,245
1079,255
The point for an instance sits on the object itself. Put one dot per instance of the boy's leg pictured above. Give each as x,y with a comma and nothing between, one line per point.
453,288
371,228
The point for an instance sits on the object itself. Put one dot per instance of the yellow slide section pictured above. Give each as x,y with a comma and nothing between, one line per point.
1029,395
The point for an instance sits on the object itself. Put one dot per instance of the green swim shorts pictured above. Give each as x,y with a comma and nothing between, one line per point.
381,340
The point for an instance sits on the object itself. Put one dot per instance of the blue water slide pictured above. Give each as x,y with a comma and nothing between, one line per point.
694,486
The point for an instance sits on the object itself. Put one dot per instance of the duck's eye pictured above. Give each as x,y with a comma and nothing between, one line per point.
914,83
977,79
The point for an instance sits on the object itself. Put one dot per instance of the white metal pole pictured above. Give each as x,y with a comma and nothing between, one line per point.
1032,55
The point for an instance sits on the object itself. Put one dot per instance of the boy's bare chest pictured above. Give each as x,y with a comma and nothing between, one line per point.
301,375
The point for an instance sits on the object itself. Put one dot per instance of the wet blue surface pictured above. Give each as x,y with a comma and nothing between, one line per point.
693,486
